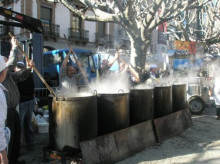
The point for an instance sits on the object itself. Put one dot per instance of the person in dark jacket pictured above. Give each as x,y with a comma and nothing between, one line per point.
149,74
13,98
26,106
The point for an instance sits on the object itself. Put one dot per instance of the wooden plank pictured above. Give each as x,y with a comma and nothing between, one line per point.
172,124
118,145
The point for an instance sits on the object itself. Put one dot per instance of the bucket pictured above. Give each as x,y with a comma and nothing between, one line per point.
43,127
46,117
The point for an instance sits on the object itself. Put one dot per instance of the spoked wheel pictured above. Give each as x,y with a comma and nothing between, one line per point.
196,105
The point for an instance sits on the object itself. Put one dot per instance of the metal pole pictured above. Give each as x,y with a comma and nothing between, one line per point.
131,70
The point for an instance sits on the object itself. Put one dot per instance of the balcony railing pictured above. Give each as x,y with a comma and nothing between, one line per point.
4,30
103,39
78,35
6,2
51,30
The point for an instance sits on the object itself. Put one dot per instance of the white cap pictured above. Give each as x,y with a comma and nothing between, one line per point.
20,64
2,63
153,66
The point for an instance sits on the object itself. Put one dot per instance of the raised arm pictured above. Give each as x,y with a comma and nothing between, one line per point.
115,58
12,59
65,61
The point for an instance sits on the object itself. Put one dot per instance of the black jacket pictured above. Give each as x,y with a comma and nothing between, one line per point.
26,89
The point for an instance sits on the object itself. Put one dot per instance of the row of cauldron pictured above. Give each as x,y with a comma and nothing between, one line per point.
87,115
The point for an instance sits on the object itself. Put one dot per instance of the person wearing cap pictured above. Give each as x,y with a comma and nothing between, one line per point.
12,98
153,71
26,106
3,112
148,74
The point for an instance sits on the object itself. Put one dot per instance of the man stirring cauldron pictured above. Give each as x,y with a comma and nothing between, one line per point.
69,77
106,64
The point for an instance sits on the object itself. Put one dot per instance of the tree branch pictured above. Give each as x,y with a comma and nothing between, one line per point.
100,15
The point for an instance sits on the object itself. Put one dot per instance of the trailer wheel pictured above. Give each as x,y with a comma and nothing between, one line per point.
196,105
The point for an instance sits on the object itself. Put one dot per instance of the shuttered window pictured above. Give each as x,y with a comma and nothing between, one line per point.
46,14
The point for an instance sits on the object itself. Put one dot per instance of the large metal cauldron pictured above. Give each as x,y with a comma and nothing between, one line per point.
163,102
179,97
141,105
72,120
113,112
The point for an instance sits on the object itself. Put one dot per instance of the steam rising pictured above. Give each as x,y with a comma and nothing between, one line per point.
64,92
112,84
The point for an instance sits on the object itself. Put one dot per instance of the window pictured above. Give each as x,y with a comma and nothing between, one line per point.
76,22
46,14
101,27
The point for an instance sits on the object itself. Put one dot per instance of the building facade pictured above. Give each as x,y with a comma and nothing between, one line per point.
58,21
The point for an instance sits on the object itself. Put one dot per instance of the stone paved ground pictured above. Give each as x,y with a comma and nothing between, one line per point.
200,144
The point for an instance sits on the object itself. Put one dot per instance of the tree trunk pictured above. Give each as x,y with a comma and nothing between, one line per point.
138,54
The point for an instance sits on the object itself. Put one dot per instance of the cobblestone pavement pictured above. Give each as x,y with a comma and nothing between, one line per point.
200,144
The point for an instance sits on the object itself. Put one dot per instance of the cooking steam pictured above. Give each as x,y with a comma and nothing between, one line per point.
114,82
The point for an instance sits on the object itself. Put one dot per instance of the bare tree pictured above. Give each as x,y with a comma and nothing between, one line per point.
138,17
200,24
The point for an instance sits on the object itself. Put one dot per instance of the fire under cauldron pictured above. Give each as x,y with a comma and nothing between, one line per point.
179,96
163,102
141,105
72,120
113,112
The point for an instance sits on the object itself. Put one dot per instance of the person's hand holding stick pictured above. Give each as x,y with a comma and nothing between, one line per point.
15,42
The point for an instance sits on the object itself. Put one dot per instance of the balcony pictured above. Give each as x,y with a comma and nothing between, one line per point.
103,39
4,30
51,30
6,2
78,35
